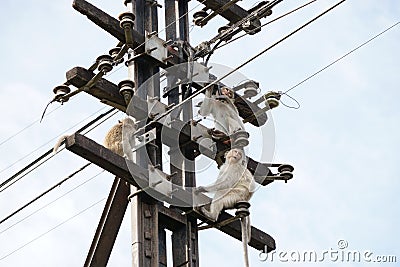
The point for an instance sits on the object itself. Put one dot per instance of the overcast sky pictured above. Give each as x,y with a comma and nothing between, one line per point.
343,141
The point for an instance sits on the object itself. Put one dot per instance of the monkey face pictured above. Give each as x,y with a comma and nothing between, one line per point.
234,156
227,92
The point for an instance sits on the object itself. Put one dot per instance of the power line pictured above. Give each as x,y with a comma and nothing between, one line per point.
51,202
47,153
342,57
25,128
45,192
267,23
51,140
52,229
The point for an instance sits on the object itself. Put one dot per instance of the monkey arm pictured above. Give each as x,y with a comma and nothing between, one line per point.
207,105
224,181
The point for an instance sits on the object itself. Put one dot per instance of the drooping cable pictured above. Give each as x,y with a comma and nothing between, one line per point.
51,202
45,192
52,229
342,57
4,185
51,140
25,128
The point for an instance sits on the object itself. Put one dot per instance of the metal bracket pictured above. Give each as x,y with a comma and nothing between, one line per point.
144,139
158,180
155,47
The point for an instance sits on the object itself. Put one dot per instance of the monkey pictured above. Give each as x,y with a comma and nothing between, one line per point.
234,183
221,107
119,138
59,142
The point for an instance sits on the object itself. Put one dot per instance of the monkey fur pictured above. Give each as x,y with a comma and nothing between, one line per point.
234,183
221,107
119,138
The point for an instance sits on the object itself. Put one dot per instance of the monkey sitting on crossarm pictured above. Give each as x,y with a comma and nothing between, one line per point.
234,183
119,138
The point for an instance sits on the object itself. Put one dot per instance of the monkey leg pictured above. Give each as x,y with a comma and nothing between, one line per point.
222,201
212,213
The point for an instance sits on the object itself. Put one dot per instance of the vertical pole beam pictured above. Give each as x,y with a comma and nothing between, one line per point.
190,177
176,160
184,238
147,238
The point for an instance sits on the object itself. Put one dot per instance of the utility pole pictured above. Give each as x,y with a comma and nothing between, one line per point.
136,32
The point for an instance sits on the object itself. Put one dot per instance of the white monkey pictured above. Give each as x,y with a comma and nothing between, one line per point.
234,183
120,137
221,107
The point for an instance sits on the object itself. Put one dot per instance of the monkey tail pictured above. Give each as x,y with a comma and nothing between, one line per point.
59,143
245,239
248,225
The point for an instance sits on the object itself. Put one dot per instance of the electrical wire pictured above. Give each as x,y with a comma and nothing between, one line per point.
45,192
47,153
51,140
342,57
329,65
51,202
239,67
293,107
52,229
41,163
25,128
265,24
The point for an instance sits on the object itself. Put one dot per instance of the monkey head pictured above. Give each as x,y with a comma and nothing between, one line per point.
227,92
234,156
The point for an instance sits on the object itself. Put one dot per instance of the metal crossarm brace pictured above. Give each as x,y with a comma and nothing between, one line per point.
233,14
117,165
109,225
111,25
